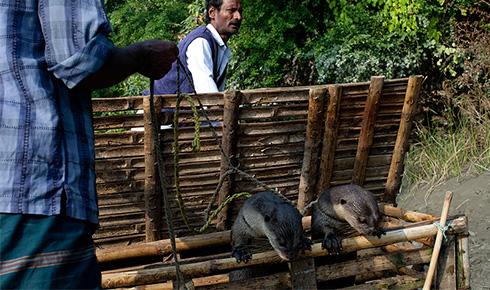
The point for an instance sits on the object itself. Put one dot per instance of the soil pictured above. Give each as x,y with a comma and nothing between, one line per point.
471,196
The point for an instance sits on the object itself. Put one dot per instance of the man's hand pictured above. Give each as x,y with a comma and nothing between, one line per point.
151,58
155,57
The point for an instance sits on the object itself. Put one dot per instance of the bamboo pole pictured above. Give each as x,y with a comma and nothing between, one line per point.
314,130
463,262
194,283
275,281
330,137
409,216
161,274
153,202
162,247
437,245
232,101
367,130
398,282
401,144
371,264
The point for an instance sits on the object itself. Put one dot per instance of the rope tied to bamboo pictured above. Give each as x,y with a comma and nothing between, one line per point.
442,229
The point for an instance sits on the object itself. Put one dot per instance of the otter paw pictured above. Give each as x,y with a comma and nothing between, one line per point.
379,232
241,254
332,244
306,244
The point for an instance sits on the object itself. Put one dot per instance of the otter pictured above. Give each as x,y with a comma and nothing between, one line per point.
268,215
340,208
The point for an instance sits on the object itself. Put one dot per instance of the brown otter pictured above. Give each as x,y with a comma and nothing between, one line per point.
341,207
268,215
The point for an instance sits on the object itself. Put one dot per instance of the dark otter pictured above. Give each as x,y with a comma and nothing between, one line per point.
342,207
268,215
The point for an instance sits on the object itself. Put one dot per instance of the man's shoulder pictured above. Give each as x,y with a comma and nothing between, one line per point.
200,31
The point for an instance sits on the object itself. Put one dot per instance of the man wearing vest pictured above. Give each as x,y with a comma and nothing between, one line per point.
203,52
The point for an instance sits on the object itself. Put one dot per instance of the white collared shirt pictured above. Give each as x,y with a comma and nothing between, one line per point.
200,62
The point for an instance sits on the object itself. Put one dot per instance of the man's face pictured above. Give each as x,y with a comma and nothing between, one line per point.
228,18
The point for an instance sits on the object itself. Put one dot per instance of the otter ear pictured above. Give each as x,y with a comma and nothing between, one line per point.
362,219
343,201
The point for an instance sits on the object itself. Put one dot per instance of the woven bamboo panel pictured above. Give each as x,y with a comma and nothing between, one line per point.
267,141
120,167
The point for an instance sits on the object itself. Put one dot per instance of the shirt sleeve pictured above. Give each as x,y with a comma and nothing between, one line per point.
76,38
200,64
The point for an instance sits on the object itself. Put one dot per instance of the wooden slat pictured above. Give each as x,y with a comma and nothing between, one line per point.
153,201
114,139
117,104
280,96
232,101
273,112
401,146
367,131
446,269
118,121
314,130
303,274
330,137
373,264
463,262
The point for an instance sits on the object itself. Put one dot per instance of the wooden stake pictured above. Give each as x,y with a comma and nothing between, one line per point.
446,274
329,138
232,101
401,144
302,273
153,201
367,130
463,261
314,129
437,245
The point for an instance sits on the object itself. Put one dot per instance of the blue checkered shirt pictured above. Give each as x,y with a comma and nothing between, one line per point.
46,136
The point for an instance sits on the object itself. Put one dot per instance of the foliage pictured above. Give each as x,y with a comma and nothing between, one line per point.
136,20
285,42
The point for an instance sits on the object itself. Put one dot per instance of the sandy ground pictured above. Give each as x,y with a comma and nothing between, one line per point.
471,196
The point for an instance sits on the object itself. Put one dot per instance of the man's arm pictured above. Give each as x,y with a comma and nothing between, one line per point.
200,64
151,58
78,52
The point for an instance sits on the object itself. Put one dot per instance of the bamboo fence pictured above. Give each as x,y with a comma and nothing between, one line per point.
295,140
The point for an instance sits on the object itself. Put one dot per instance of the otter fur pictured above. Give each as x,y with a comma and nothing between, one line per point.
342,207
268,215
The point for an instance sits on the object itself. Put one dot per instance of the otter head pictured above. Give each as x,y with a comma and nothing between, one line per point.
284,230
361,213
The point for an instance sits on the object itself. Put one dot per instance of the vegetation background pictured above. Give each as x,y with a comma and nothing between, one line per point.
304,42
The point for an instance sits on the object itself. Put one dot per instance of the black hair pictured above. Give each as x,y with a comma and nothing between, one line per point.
211,3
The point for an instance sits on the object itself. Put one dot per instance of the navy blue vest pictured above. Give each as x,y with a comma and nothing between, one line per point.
168,84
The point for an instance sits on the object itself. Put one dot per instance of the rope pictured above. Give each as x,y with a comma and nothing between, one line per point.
442,229
161,173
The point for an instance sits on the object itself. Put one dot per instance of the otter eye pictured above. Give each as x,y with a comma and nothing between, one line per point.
343,201
282,244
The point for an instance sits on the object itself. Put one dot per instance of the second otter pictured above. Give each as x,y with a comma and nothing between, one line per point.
341,207
268,215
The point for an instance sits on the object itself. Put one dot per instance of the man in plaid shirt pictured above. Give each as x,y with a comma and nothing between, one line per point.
52,54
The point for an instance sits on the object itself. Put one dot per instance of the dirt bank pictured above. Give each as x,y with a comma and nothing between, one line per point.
471,196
